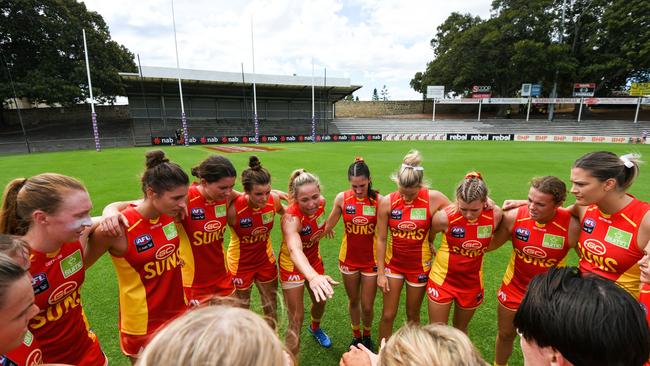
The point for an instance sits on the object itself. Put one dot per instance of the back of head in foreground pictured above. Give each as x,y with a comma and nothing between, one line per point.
429,345
215,335
570,319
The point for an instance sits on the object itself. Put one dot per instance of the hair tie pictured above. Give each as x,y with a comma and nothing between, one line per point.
627,159
416,168
474,175
358,159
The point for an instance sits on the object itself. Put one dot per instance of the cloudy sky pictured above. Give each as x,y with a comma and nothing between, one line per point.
372,42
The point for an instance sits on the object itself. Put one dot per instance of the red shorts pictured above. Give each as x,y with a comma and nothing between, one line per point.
510,296
94,356
132,345
266,272
295,278
201,295
414,278
466,299
349,269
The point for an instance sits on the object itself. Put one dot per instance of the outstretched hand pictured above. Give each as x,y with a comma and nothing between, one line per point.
321,287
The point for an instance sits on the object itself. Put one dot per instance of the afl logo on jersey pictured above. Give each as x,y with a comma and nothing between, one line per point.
212,226
245,222
165,251
457,232
350,209
360,220
40,283
595,246
143,242
306,230
522,234
197,213
396,214
471,244
407,226
589,225
62,292
259,230
534,252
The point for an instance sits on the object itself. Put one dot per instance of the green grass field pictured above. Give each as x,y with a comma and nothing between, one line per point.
113,175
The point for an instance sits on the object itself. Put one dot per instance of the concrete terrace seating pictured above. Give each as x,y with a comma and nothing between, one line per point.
542,127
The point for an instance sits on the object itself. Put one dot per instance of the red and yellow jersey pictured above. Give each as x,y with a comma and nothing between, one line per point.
149,274
459,261
608,244
311,226
359,219
250,237
644,299
536,247
61,326
408,248
27,354
201,241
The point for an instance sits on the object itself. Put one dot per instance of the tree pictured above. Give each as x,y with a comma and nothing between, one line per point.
603,41
41,44
349,98
384,93
375,96
356,98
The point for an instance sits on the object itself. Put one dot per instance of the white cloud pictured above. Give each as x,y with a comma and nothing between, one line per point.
373,42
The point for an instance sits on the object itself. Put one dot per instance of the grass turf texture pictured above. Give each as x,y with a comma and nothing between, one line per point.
113,175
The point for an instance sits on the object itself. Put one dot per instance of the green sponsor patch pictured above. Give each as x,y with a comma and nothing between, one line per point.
483,232
369,211
618,237
170,231
267,217
28,339
71,264
220,210
320,221
553,241
418,214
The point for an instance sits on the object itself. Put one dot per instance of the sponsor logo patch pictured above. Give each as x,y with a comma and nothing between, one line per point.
369,211
306,230
212,226
407,226
396,214
522,234
589,225
197,213
360,220
618,237
170,231
471,245
418,214
62,292
457,232
220,211
165,251
595,246
267,217
350,210
484,232
259,230
40,283
143,242
553,241
534,252
422,278
71,264
433,292
245,222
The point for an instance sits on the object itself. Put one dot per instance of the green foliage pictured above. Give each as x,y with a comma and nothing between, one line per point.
375,96
601,41
113,175
42,44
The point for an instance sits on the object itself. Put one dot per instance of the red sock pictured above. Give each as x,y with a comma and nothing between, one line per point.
315,324
356,331
366,331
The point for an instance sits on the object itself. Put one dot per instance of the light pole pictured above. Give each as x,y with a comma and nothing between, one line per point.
551,108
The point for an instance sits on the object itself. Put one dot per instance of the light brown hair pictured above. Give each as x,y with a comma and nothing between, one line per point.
256,174
550,185
472,188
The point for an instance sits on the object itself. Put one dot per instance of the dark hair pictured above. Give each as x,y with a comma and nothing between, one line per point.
550,185
10,272
23,196
589,320
214,168
604,165
360,169
161,175
255,174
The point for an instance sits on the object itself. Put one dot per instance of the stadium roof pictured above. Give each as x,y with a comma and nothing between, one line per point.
164,80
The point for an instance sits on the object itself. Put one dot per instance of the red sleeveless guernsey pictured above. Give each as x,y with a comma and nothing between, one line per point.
27,354
311,226
359,220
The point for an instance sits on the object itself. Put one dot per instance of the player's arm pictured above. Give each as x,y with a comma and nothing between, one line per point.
321,285
382,234
643,235
498,216
503,231
100,241
335,215
279,208
112,218
232,215
574,233
437,200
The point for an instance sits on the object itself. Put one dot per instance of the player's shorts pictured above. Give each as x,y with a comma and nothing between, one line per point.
266,272
132,345
413,278
466,299
196,296
93,355
349,269
292,279
510,296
